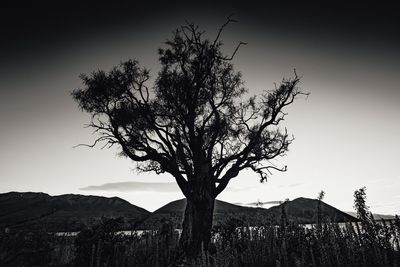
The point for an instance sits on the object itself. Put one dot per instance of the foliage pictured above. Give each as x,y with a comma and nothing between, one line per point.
360,205
289,244
100,245
234,243
195,121
38,248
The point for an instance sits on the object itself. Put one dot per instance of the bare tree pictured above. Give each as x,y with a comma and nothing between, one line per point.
193,123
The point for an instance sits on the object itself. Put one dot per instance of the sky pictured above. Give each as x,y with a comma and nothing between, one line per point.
347,131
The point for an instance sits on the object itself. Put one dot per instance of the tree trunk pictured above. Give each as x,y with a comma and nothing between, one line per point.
197,224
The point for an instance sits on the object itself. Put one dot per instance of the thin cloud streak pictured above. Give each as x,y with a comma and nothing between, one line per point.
132,186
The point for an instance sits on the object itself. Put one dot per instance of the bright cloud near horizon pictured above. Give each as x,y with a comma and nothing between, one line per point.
346,132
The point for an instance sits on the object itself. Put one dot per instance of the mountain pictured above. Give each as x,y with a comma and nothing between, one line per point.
174,211
65,212
304,210
299,210
72,212
376,216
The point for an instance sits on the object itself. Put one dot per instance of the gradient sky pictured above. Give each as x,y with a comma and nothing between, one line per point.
347,131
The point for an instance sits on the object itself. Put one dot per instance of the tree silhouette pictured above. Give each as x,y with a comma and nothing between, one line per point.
193,123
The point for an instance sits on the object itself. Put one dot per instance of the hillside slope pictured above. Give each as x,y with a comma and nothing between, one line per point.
71,212
63,213
174,211
304,210
300,210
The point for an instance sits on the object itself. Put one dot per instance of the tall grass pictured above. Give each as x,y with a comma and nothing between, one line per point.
235,243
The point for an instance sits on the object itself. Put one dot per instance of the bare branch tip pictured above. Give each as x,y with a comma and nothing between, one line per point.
230,19
79,145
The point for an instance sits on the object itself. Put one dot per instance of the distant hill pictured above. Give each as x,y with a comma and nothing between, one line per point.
72,212
63,213
222,210
376,216
300,210
304,210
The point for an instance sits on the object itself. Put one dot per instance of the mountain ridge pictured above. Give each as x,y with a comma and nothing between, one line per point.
72,212
67,212
377,216
300,210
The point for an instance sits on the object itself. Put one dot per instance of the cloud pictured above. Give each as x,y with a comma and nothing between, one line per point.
134,187
170,187
240,189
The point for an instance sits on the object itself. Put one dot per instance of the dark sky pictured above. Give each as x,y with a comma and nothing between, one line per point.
31,27
346,132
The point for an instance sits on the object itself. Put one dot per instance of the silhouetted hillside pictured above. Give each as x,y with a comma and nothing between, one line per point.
71,212
376,216
174,211
304,210
301,210
63,213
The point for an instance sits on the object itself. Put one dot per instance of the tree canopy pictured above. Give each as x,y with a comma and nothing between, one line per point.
195,119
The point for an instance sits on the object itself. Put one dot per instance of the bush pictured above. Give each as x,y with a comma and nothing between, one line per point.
366,243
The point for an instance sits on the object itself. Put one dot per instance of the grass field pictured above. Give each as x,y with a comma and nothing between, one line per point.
365,243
